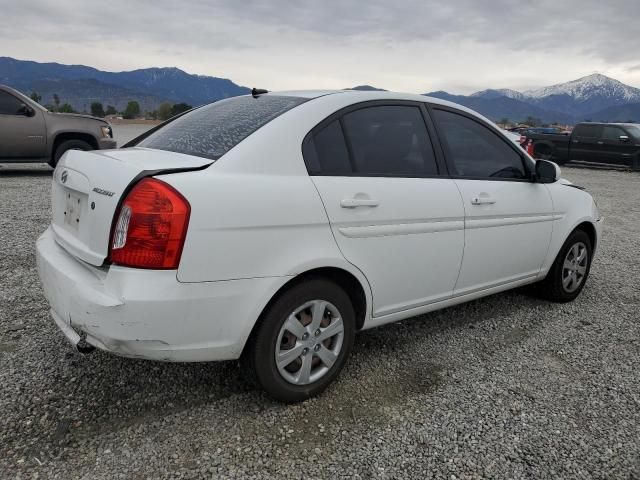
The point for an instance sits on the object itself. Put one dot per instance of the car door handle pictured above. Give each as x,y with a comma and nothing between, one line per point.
358,202
600,143
482,201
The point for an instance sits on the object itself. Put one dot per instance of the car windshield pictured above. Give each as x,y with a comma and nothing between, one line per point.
213,130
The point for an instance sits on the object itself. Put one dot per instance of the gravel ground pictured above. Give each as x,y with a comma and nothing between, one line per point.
506,387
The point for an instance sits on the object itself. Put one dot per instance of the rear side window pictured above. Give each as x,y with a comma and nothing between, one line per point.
475,151
587,131
390,140
373,141
213,130
329,155
9,105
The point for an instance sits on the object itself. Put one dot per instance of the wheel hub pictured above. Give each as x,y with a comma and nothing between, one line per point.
309,342
574,268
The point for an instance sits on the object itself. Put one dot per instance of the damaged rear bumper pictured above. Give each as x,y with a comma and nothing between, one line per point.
149,313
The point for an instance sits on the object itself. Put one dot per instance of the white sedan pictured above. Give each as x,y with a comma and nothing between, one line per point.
274,226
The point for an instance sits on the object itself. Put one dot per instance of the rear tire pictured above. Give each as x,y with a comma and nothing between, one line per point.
68,145
570,270
310,325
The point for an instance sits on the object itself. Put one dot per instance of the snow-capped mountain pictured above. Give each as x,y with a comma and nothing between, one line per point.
584,96
596,86
595,97
589,87
500,92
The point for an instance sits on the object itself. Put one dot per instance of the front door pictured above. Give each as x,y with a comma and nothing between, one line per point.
21,136
508,219
616,146
391,212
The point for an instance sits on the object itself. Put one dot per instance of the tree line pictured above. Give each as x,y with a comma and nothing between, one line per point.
165,111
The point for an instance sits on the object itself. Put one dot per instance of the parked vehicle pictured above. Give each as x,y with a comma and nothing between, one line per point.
547,130
610,143
519,129
272,227
515,138
30,133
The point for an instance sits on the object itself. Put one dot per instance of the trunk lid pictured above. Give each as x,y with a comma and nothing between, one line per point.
88,187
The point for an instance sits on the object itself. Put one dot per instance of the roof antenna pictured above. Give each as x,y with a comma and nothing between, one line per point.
255,92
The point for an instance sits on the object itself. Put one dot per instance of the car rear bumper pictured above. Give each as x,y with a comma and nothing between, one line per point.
149,313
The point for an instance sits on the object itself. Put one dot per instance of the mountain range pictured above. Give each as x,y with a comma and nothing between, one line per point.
80,85
595,97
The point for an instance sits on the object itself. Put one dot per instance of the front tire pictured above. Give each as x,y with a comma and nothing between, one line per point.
68,145
302,341
570,270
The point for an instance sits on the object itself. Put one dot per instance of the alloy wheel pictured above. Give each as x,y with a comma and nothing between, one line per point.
309,342
574,267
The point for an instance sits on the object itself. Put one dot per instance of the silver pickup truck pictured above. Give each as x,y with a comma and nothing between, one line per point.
30,133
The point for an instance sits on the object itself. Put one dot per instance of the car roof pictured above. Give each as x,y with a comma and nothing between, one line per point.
357,96
6,87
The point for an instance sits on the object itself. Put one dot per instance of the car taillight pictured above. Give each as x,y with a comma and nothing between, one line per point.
151,227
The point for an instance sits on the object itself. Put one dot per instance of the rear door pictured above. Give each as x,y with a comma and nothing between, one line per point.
21,136
586,144
394,213
508,219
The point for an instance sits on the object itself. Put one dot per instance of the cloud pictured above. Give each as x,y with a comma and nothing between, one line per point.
458,45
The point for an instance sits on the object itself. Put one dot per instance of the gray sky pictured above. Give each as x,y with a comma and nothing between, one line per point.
416,46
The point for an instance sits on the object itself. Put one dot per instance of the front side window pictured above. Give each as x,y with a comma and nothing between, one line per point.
213,130
634,130
9,105
475,151
612,133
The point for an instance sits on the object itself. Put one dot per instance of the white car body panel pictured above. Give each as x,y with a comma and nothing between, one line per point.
147,313
258,220
572,207
498,234
417,227
98,179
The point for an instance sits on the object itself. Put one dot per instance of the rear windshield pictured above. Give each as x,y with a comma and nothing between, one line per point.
213,130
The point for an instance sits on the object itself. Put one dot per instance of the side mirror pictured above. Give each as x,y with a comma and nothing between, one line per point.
547,172
26,110
624,138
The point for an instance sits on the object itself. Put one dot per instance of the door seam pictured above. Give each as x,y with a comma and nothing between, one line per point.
464,236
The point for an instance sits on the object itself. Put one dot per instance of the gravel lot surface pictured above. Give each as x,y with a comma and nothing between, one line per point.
506,387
